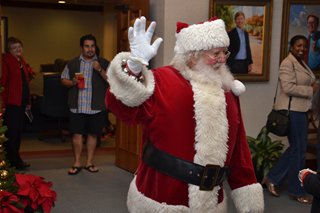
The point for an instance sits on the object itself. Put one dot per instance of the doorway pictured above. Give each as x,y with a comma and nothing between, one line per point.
54,37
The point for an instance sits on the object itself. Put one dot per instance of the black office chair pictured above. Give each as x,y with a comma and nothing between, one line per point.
54,106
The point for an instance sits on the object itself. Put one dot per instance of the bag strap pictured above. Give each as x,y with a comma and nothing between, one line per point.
275,97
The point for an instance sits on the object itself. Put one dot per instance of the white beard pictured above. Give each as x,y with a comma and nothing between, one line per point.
218,74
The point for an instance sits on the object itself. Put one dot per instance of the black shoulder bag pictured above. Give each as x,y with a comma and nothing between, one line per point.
278,120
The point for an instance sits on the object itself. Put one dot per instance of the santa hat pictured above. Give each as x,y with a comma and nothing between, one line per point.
202,36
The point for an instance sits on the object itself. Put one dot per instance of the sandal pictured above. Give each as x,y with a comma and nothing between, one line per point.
91,168
76,170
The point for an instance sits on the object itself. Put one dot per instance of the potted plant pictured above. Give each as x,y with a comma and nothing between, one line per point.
264,152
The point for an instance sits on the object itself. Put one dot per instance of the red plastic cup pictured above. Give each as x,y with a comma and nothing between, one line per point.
80,78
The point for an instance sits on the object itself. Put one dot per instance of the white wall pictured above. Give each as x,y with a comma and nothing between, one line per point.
257,101
167,13
157,11
52,31
109,33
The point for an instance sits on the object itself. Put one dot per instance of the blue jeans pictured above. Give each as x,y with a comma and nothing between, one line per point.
293,159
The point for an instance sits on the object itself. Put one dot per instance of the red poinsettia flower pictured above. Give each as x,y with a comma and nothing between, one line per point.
8,203
28,185
35,192
47,202
47,196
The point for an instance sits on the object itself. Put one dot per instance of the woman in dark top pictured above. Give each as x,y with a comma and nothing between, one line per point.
15,99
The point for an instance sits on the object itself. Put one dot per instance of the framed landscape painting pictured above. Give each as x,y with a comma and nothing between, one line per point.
258,19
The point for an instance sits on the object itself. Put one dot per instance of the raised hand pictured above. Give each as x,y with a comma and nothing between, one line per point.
142,51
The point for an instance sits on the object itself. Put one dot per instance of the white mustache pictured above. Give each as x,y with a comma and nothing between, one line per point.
217,65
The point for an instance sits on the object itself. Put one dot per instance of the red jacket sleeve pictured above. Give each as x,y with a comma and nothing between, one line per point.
131,115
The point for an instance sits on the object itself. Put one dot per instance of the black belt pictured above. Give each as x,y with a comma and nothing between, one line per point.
206,177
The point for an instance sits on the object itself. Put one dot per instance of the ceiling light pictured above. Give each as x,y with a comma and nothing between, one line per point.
61,2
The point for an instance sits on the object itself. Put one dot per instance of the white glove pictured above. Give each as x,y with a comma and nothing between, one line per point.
238,87
140,44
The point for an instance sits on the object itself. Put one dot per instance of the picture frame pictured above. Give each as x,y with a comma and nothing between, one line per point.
4,33
258,21
294,22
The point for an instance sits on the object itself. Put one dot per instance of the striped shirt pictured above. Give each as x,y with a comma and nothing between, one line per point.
85,95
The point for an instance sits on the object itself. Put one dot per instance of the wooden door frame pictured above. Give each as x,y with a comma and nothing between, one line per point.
128,138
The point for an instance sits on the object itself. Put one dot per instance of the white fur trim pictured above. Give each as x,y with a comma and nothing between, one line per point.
126,89
204,36
206,201
138,203
238,88
212,127
211,137
249,198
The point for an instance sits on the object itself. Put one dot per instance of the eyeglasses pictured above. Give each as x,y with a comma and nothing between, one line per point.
218,55
15,46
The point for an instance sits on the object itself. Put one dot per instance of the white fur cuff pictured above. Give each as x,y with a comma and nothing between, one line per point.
249,198
126,89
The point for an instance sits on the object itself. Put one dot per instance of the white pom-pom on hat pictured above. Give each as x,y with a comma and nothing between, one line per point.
238,88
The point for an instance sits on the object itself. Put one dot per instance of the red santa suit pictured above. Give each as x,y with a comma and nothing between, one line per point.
189,118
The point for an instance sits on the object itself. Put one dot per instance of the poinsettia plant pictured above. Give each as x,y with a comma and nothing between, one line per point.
31,192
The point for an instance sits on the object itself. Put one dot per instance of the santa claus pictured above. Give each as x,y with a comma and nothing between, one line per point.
194,140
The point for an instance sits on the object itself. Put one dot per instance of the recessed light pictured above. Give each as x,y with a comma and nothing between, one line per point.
61,2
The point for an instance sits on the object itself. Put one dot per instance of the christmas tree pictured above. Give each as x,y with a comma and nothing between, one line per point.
7,174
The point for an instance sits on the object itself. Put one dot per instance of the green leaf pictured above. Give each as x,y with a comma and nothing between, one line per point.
3,129
264,151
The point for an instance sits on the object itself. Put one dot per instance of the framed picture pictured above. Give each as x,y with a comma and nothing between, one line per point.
299,18
4,33
255,24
